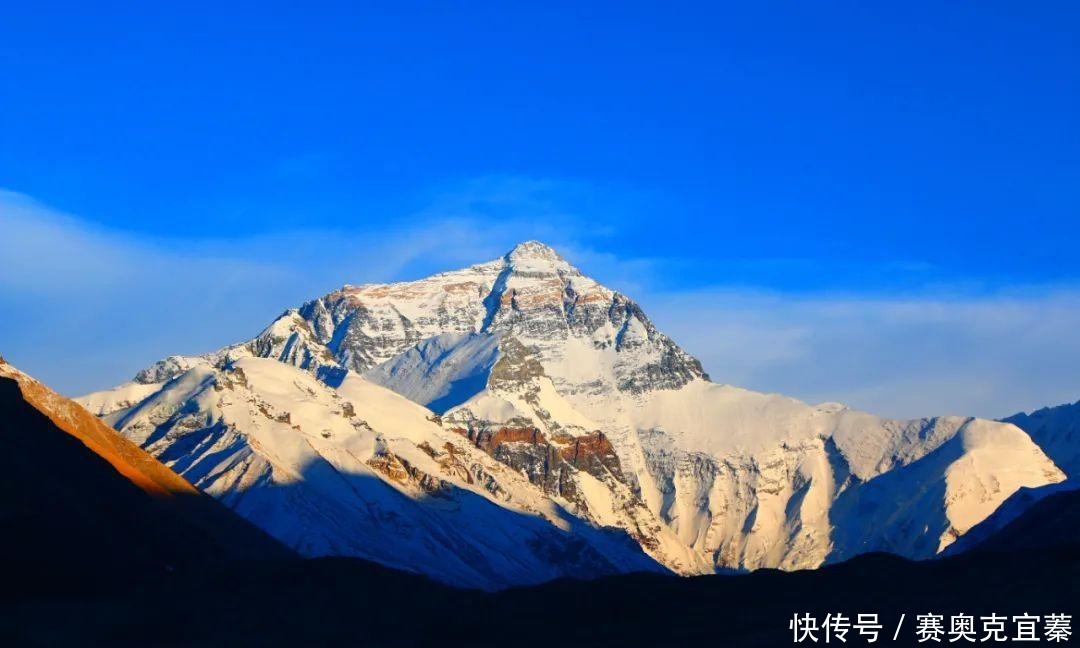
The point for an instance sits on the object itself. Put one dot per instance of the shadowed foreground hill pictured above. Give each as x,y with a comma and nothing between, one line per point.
1046,524
347,602
84,510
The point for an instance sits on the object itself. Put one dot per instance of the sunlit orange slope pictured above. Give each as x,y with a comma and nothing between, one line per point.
83,509
128,459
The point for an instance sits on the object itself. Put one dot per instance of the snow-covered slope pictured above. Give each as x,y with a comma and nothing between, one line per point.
442,371
361,471
1011,509
1057,431
121,397
540,371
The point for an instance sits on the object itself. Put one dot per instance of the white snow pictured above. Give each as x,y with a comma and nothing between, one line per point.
121,397
442,371
296,457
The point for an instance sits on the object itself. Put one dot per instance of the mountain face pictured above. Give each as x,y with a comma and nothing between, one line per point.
1018,505
1057,431
361,471
84,509
576,420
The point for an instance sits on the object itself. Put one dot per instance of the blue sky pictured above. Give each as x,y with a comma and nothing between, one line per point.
876,204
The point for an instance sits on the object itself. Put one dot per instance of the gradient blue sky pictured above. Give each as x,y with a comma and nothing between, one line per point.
876,204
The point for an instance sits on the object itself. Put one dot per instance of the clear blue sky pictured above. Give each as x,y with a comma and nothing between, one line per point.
799,148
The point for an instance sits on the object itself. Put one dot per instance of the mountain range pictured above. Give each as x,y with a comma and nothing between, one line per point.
516,421
104,546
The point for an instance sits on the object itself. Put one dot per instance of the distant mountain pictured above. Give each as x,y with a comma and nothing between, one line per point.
520,399
83,509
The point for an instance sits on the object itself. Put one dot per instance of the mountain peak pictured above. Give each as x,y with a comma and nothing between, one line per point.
533,251
532,257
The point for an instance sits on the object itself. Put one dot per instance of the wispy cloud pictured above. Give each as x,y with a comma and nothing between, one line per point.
940,353
86,306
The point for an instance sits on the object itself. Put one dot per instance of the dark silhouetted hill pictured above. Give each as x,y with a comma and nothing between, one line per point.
83,510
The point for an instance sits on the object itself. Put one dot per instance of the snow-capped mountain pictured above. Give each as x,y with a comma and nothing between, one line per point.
571,413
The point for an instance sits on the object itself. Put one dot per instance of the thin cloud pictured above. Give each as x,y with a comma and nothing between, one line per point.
86,306
989,355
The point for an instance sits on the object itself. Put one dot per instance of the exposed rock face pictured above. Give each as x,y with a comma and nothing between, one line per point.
549,464
526,450
291,340
592,453
403,472
490,440
534,370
